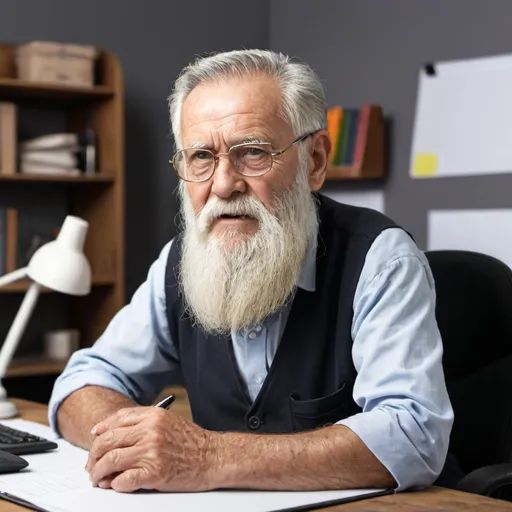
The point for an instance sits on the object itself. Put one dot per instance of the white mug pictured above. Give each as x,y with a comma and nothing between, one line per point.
60,344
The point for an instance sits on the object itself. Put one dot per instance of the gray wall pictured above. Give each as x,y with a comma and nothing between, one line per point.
153,39
364,50
369,50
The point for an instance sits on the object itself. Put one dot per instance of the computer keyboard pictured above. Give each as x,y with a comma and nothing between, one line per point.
20,442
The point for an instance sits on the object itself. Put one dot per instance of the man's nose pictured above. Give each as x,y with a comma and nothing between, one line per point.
226,180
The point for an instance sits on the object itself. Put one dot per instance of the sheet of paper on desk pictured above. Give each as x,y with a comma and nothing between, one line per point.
57,482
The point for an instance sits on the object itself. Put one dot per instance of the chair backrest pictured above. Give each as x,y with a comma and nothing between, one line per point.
474,314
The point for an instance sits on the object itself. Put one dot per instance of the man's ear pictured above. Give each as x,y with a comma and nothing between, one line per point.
319,150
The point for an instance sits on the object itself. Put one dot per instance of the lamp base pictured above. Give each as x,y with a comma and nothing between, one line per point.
7,409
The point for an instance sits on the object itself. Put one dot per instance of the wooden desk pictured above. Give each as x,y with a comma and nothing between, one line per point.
431,500
435,499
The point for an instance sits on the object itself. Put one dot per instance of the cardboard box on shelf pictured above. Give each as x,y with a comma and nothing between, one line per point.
58,63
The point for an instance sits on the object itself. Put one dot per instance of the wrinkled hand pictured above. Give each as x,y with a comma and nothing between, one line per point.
151,448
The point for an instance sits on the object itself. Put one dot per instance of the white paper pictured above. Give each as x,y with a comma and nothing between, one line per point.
101,500
48,473
464,118
373,199
484,231
57,482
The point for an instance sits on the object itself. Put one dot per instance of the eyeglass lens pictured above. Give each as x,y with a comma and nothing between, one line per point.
199,164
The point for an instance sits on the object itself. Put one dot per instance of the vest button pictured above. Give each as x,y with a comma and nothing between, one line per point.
254,423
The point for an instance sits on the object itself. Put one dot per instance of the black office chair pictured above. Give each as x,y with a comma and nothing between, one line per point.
474,314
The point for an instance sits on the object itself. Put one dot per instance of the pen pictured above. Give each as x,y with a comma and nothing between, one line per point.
166,402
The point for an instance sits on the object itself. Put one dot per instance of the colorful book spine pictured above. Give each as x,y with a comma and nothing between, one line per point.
348,154
350,139
362,134
340,146
334,123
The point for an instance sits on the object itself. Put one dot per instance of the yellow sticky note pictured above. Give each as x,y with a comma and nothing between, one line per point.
425,165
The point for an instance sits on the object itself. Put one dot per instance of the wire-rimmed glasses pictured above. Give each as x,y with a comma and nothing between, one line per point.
250,159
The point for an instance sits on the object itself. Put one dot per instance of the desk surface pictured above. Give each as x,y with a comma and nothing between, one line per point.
431,500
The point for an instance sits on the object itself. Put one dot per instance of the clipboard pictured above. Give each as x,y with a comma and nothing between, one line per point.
18,501
301,508
331,503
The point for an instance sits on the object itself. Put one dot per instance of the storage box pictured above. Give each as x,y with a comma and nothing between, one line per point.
42,61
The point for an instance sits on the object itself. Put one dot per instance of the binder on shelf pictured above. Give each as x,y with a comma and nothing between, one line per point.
8,137
358,144
8,240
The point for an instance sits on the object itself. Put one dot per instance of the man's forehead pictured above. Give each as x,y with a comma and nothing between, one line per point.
202,142
232,105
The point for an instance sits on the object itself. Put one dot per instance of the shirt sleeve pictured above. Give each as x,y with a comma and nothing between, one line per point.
135,354
406,416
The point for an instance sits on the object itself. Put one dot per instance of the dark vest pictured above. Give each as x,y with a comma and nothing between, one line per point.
311,379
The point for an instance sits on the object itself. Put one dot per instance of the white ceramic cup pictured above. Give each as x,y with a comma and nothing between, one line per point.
60,344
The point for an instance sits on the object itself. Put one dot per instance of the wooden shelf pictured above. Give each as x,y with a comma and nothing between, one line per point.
30,366
96,178
22,285
344,172
13,89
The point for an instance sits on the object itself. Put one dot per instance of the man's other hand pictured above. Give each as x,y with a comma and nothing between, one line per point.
150,448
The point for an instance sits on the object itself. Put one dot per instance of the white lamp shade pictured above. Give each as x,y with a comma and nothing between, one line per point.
61,265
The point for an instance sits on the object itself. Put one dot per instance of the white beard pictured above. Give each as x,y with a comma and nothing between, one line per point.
231,282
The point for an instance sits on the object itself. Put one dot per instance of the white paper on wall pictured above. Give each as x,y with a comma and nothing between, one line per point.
373,199
486,231
463,118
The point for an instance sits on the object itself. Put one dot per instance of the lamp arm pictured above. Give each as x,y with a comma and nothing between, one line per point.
18,327
13,276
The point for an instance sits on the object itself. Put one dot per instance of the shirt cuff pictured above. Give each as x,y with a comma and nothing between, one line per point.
74,382
380,431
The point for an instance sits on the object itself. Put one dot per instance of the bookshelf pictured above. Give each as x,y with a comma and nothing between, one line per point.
34,366
14,89
370,164
100,178
98,198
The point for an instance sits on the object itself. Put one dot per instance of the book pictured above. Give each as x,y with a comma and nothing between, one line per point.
42,168
334,117
348,155
68,141
3,222
8,239
347,127
75,151
11,239
362,134
59,158
8,137
89,162
341,138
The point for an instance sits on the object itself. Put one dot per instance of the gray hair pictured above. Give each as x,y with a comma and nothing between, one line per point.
303,100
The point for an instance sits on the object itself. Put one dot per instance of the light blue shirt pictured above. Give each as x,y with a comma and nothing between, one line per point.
406,415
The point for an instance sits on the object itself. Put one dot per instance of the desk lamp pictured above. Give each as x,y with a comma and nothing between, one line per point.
59,265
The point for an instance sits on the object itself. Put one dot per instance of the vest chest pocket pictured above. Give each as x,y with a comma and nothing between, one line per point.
321,411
